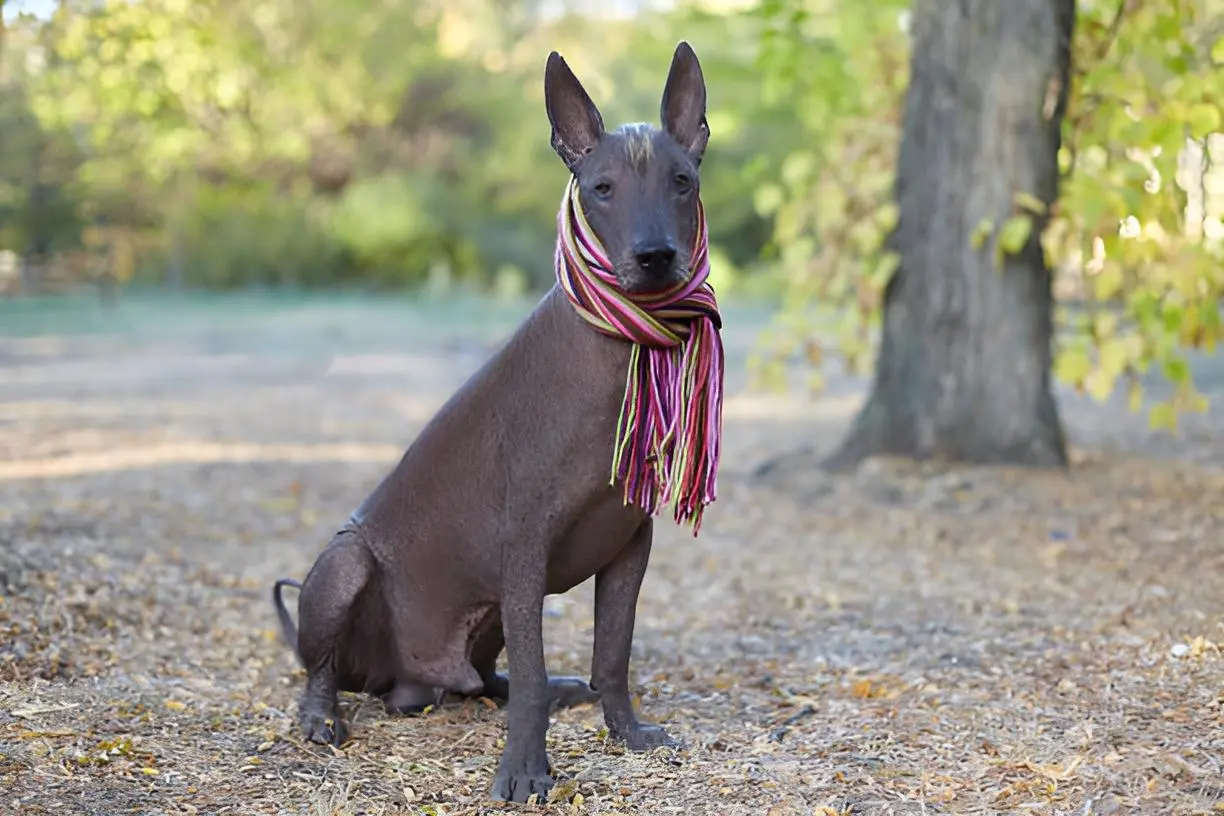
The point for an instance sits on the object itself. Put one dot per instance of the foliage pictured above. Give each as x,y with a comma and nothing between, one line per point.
36,163
1136,239
843,68
307,143
1138,227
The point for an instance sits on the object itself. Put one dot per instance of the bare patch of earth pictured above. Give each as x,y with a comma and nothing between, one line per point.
904,639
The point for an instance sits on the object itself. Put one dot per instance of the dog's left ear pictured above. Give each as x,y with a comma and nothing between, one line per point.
684,103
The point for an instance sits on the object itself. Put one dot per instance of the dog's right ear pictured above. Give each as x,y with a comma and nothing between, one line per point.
577,126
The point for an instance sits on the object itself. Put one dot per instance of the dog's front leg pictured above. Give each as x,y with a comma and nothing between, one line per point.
616,594
524,770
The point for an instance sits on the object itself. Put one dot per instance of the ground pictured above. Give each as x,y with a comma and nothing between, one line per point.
903,639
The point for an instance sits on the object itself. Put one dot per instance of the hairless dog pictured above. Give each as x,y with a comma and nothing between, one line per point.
547,466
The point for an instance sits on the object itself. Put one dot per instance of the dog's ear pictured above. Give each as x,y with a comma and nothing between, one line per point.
684,103
577,126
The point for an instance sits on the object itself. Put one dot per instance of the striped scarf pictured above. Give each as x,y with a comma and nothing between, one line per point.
670,425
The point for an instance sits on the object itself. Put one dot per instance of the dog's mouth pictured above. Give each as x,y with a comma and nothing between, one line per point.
634,281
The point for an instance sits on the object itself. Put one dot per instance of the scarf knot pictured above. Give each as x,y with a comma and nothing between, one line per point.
669,431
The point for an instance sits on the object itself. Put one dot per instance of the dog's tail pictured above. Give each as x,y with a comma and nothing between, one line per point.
288,628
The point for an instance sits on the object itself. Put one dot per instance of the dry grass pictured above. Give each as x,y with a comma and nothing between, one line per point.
905,640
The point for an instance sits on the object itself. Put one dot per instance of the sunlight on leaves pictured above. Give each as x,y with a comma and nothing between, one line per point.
1014,233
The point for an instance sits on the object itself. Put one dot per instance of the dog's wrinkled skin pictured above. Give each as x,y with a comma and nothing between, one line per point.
504,497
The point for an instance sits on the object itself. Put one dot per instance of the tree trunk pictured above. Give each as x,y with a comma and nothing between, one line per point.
963,368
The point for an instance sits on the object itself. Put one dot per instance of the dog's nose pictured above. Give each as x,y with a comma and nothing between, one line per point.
656,260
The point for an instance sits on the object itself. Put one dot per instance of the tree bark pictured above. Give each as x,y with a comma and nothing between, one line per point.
963,367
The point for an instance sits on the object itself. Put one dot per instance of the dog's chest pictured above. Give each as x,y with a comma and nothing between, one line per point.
598,535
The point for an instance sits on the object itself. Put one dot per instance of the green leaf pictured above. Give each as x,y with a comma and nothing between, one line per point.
1177,370
1169,27
1166,133
980,233
1072,366
1015,233
1113,356
886,216
1099,385
1172,314
1107,282
1163,417
1203,120
1217,51
1030,202
884,268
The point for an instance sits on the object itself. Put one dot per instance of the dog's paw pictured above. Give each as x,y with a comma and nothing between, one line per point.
517,781
567,692
646,738
497,688
324,728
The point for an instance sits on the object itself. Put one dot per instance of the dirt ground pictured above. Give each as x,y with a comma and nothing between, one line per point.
905,639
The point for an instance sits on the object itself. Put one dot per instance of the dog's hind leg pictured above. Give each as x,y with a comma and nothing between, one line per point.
411,698
325,608
487,648
564,692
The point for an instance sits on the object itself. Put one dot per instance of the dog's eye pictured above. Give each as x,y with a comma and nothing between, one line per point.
683,182
603,189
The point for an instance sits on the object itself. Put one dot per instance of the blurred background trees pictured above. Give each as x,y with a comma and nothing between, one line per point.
376,144
302,143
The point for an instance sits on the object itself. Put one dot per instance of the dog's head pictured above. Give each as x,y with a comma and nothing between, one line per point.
638,184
